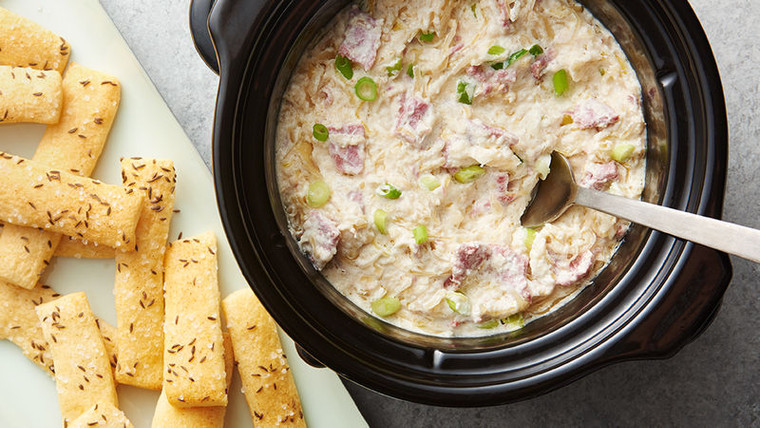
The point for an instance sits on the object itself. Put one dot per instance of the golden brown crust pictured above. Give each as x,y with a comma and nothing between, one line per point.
109,340
267,382
90,102
34,196
19,322
102,415
26,253
194,374
32,44
20,325
168,416
73,145
82,373
75,248
29,95
139,275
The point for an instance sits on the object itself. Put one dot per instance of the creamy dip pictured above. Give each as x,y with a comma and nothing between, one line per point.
409,200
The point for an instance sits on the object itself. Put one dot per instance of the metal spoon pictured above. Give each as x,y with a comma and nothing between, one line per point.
559,191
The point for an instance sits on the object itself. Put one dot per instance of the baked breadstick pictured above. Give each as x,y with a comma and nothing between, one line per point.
82,372
193,350
139,283
19,322
90,102
20,325
75,248
267,382
168,416
103,415
109,340
29,95
25,43
32,195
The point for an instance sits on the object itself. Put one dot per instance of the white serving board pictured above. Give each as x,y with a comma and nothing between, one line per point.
144,127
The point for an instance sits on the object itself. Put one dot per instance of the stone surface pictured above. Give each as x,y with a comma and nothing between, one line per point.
714,381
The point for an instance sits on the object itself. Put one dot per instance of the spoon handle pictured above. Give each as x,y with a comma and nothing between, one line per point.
720,235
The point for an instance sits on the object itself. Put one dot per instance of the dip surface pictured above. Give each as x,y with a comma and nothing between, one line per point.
409,201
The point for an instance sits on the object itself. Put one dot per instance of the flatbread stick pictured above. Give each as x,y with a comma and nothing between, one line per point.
82,372
267,382
25,43
25,252
109,340
139,285
74,248
19,322
103,415
168,416
90,102
193,350
35,196
20,325
29,95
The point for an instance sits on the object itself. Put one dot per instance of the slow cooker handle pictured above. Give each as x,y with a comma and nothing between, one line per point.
219,28
199,17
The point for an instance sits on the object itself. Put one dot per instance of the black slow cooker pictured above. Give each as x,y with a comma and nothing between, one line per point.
657,295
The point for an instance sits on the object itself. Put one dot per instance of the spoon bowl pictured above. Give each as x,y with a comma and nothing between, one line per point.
558,192
552,196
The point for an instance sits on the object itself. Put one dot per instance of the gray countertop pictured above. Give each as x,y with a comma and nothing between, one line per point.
714,381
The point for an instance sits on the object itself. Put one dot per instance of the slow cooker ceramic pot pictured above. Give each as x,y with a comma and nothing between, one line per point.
657,294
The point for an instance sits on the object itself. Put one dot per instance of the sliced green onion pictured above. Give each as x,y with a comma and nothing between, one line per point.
320,132
410,71
514,322
394,69
487,325
622,152
381,221
430,182
474,9
560,82
496,50
388,191
458,302
318,195
515,56
344,66
420,234
465,92
535,50
498,65
366,89
427,37
386,306
530,237
469,174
